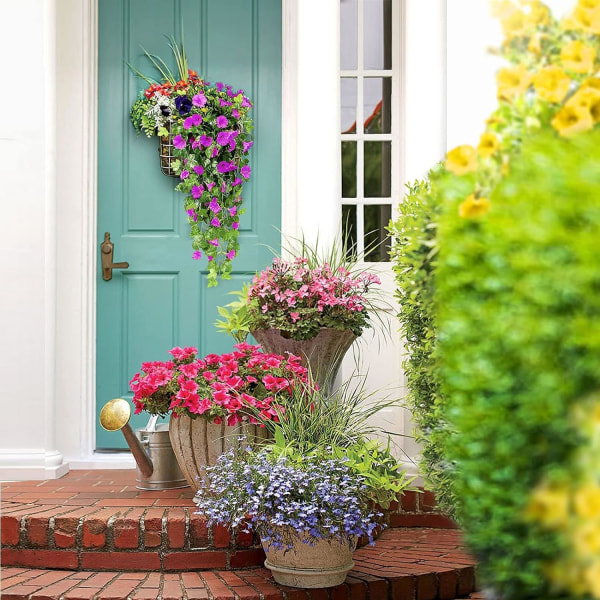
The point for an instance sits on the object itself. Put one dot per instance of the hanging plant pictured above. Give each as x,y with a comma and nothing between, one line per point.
209,128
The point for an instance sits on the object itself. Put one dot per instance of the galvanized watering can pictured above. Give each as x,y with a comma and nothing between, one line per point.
157,467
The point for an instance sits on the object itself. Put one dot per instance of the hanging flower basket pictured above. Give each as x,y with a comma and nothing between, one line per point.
166,154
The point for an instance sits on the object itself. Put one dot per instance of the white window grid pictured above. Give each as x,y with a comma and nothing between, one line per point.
396,108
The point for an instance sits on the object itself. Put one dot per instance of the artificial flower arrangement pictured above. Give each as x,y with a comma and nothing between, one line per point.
552,80
210,129
227,387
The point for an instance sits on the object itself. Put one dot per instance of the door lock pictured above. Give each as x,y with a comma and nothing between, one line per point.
106,251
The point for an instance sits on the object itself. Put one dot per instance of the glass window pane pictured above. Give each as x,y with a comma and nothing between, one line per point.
377,104
348,169
377,239
349,228
349,34
378,162
377,34
348,100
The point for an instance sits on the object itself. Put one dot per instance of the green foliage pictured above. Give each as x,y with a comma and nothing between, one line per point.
518,310
235,321
414,255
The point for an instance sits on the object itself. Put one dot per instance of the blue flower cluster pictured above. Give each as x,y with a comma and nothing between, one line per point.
281,501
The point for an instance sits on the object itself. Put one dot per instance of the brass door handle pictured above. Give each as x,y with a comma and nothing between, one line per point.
106,251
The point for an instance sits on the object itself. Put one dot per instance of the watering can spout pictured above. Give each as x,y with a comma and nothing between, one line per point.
115,415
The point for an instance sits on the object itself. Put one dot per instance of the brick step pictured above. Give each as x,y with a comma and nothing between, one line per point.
405,564
98,520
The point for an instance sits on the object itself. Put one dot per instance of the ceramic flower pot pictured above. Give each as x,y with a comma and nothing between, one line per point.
197,444
323,354
323,564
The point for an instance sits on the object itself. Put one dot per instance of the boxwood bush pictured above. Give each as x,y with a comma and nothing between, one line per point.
414,256
518,303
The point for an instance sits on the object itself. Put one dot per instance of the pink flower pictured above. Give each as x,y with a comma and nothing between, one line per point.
230,255
214,242
294,316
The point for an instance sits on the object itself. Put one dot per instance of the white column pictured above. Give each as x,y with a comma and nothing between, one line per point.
28,234
311,119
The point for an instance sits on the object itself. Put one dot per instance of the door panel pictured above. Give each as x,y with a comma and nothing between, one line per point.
162,299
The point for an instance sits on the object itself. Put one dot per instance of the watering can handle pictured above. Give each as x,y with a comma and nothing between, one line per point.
152,423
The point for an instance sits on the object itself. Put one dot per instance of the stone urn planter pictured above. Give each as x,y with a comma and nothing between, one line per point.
323,353
197,443
323,564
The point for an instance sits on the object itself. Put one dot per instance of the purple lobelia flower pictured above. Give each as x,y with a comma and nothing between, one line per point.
183,105
230,255
197,255
206,140
215,222
222,122
214,206
245,171
179,142
199,169
199,100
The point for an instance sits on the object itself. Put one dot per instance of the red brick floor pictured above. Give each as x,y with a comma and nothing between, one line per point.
92,535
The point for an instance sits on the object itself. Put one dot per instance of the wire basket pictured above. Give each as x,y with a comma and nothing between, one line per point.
165,152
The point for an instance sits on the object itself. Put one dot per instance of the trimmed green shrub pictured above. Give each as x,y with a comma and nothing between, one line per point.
518,303
413,255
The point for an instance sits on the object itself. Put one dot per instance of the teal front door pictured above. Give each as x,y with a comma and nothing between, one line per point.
162,299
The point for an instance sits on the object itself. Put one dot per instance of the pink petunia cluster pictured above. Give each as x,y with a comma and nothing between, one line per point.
245,382
288,293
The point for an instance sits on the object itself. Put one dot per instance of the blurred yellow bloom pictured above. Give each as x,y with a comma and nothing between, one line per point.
488,144
514,23
502,8
590,82
571,120
586,539
535,44
588,18
473,207
587,98
536,12
512,81
589,3
569,23
578,57
552,84
568,574
549,505
587,501
592,578
461,160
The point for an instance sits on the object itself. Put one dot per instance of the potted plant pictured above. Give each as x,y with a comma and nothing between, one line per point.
215,399
310,493
204,132
313,306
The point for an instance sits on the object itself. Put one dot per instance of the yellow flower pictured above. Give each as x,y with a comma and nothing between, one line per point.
571,120
592,578
578,57
552,84
588,19
488,144
587,98
569,23
473,207
461,160
536,12
586,538
549,505
535,44
514,23
587,501
512,81
589,3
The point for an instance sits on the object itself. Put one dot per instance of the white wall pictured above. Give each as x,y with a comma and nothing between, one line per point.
28,240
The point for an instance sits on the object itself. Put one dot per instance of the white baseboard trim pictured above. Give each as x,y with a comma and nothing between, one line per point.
24,464
117,460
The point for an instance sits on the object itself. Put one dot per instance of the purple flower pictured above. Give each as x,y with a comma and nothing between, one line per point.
194,120
214,242
223,187
225,167
184,174
199,169
179,142
192,214
210,185
222,122
223,137
205,140
236,181
183,105
246,102
224,103
214,206
230,255
210,258
247,146
215,152
197,255
196,191
235,225
215,222
219,86
199,100
232,211
235,113
245,171
195,143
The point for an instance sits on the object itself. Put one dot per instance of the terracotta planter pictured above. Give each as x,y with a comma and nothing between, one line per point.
324,564
197,444
323,353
